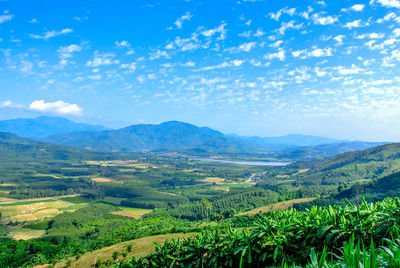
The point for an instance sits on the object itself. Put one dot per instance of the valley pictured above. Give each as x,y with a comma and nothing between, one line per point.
68,206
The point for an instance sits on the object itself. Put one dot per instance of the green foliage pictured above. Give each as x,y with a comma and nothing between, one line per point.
222,204
291,238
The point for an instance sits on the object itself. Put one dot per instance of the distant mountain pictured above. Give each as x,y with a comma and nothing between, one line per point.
291,140
325,150
182,137
44,126
168,136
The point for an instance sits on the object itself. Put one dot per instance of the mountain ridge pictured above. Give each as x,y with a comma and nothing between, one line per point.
43,126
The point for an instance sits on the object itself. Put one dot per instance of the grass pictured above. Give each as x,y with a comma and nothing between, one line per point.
275,207
140,248
19,233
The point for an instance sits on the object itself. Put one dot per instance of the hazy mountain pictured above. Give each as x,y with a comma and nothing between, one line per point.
168,136
290,140
184,137
44,126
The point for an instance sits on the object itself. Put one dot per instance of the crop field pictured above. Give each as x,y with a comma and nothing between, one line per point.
102,180
136,213
19,233
216,180
32,212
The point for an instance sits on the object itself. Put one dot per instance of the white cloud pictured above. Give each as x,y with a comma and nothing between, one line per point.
5,17
346,71
353,24
387,3
278,14
58,107
159,54
277,55
326,20
180,20
358,7
220,29
246,47
225,64
50,34
101,59
289,25
339,39
130,66
319,52
65,53
9,104
122,44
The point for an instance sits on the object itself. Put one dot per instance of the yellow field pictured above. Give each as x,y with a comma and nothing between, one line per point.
304,170
275,207
2,199
19,233
137,214
214,180
7,184
102,180
140,247
223,188
32,212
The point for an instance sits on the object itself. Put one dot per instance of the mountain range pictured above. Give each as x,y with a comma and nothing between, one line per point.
43,126
175,136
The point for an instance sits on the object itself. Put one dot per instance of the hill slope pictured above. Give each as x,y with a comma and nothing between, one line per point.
352,166
15,148
44,126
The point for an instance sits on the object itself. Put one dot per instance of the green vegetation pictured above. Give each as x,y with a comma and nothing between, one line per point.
319,236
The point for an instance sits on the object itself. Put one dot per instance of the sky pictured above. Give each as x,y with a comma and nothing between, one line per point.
250,67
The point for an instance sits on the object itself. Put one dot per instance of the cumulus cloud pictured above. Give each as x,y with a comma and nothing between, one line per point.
220,29
9,104
323,20
58,107
131,67
246,47
285,10
5,17
225,64
123,43
277,55
353,24
101,59
289,25
183,18
358,7
51,34
65,53
387,3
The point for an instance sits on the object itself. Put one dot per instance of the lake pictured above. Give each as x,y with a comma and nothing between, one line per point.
250,163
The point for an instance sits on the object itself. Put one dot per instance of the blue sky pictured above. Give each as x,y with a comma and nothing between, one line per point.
254,67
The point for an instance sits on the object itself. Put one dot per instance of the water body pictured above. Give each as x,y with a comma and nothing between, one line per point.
250,163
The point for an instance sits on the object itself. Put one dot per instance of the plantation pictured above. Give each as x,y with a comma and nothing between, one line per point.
354,236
